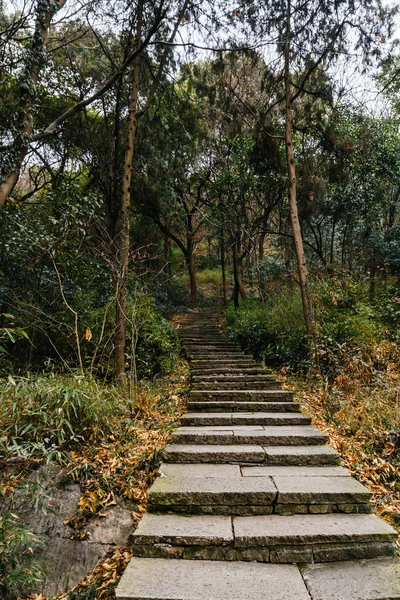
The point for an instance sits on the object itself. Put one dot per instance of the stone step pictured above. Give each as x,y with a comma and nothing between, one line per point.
377,579
271,538
243,385
226,369
252,454
232,418
221,355
223,405
173,579
241,395
226,470
234,377
281,435
237,495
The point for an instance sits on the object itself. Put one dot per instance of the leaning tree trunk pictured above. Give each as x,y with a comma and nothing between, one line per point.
35,58
292,192
123,234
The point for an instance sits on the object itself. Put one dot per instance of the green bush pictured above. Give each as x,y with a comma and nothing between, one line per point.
347,324
273,331
153,342
52,412
18,572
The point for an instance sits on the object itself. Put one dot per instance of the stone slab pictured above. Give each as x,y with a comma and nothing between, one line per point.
354,580
270,435
301,455
320,490
214,453
170,491
310,529
199,470
277,471
224,405
259,418
170,579
185,530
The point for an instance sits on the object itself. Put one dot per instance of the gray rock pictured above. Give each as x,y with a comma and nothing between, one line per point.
301,455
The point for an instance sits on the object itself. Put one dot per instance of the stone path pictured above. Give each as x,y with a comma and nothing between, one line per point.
252,504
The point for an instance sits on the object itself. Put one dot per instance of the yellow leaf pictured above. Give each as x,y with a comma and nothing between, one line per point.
88,334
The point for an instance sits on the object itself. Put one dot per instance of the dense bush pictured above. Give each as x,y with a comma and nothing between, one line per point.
273,331
350,326
154,344
53,413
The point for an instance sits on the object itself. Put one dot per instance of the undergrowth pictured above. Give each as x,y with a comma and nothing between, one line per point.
110,446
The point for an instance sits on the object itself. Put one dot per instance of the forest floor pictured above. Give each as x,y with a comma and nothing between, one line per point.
355,416
121,467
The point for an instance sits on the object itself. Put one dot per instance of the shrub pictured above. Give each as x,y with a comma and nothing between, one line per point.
154,343
52,412
273,331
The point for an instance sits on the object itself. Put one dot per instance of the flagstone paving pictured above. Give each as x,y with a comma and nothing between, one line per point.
251,502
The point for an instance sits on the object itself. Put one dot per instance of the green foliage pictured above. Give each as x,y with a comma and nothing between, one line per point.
273,331
41,415
348,324
154,344
17,569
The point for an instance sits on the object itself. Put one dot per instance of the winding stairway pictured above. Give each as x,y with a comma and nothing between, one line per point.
251,502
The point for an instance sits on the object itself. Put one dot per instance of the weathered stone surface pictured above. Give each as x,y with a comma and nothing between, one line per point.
320,490
246,418
66,562
184,530
266,471
214,454
170,491
301,455
336,552
163,579
354,580
222,471
224,405
242,396
310,529
113,528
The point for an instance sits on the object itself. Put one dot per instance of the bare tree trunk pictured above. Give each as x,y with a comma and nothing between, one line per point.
123,234
167,265
191,271
222,245
34,62
292,190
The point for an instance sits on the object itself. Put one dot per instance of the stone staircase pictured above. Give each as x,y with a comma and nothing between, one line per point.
248,491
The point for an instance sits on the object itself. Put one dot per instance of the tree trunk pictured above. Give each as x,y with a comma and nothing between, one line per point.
35,57
236,275
192,272
167,265
292,190
222,245
123,234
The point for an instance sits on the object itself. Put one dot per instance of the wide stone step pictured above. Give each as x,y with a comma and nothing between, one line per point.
377,579
281,435
232,418
258,495
242,395
243,385
223,405
223,471
173,579
252,454
215,368
271,538
233,377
